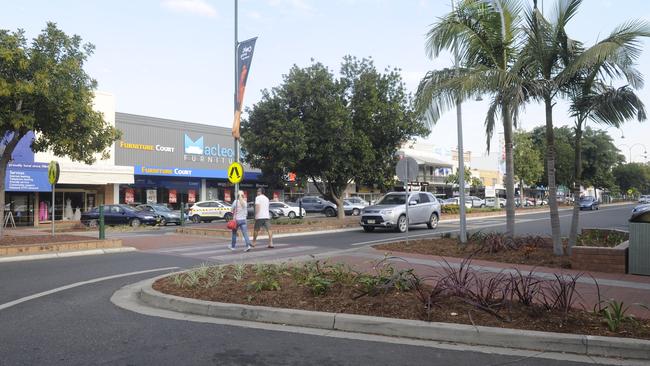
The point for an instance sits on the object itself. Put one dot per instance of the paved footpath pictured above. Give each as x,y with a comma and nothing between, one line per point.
622,287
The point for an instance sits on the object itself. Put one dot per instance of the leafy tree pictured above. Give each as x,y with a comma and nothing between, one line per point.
635,176
485,34
43,88
527,160
564,153
599,155
332,131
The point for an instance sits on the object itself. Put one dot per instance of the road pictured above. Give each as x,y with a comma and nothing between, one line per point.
58,312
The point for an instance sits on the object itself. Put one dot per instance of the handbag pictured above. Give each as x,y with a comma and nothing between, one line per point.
232,224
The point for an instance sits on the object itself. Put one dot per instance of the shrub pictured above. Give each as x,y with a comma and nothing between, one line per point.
525,288
601,237
560,294
615,313
264,284
317,285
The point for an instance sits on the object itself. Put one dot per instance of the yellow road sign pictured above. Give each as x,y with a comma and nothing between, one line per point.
235,173
53,172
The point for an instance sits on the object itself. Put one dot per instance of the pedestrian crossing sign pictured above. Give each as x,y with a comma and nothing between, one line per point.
235,173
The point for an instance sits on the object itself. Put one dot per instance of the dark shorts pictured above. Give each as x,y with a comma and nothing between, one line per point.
263,223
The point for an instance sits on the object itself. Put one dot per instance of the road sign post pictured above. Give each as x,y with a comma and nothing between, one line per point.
53,172
407,170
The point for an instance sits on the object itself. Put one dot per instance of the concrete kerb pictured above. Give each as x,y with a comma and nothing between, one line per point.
414,329
20,258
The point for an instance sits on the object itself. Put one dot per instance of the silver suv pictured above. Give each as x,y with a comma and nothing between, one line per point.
390,212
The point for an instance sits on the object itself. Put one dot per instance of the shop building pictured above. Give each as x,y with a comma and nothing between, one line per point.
177,163
28,194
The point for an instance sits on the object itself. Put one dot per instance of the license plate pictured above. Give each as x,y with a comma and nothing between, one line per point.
370,221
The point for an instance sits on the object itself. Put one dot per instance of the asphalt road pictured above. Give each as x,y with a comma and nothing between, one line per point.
58,312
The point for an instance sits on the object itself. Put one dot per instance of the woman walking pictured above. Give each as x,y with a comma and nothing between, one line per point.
240,212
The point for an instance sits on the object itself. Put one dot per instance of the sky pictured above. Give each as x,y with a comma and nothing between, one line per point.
174,58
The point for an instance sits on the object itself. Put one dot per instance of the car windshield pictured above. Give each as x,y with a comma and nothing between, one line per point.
393,199
162,208
346,202
586,199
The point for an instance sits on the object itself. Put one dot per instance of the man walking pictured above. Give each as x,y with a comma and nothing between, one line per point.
262,216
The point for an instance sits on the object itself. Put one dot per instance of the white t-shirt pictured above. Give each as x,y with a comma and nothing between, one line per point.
262,207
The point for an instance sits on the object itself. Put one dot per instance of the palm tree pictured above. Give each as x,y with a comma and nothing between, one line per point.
486,36
605,105
547,51
560,64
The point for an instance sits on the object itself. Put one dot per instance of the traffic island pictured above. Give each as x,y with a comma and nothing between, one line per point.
150,293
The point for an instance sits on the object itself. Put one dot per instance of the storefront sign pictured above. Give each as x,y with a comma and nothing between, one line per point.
146,147
172,196
185,172
27,177
191,196
152,197
129,196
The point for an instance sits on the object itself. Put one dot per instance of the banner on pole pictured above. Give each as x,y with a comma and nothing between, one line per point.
244,57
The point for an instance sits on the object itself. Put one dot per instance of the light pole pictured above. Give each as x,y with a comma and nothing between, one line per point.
461,155
630,147
236,94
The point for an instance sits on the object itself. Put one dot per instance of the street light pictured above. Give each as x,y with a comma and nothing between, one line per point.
645,150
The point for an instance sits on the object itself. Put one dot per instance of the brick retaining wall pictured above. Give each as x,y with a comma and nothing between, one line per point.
13,250
611,260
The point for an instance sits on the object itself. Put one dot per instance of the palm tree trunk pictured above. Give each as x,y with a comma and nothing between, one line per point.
510,172
552,189
577,183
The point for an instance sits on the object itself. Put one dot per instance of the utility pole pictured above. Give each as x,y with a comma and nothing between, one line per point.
236,94
461,155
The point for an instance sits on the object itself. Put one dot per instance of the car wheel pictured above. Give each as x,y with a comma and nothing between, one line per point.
135,222
329,212
368,229
356,212
402,224
292,215
482,206
433,221
163,222
592,207
196,219
227,216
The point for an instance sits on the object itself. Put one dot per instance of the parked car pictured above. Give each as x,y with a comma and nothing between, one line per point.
641,207
274,213
495,202
317,204
167,216
526,203
209,210
120,215
456,201
287,210
475,202
358,201
588,203
351,208
644,198
390,212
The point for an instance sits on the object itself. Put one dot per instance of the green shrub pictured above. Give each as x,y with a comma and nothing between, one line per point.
602,238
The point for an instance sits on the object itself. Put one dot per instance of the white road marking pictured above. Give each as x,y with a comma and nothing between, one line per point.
265,253
77,284
225,250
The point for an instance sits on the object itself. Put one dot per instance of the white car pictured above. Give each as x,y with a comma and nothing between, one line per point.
351,208
358,201
645,198
492,202
288,211
209,210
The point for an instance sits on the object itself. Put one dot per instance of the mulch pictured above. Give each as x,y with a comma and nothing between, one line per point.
401,305
449,247
40,239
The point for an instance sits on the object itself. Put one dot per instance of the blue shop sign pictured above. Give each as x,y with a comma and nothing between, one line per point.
27,177
187,172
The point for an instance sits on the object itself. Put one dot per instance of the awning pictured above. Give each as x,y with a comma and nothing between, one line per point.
94,174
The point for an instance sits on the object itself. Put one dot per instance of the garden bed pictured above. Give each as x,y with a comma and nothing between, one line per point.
531,250
40,239
458,296
601,250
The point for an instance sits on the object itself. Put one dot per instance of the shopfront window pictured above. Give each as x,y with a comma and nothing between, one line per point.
20,208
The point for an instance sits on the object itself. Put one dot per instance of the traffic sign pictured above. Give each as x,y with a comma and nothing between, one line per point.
53,172
407,169
235,173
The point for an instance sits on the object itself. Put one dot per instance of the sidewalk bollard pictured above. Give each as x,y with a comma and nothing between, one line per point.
182,216
102,233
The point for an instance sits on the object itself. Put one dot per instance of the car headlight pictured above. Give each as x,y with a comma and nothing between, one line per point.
386,212
149,217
